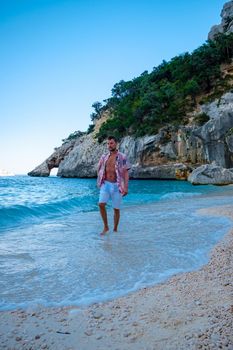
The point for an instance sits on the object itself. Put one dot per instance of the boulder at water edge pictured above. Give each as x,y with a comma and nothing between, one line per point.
211,174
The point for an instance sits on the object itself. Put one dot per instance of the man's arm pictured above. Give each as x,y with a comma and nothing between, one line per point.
126,181
99,165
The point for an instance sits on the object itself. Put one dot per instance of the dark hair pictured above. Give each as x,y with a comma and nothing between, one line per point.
112,138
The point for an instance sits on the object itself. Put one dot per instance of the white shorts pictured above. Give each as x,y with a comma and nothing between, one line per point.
110,190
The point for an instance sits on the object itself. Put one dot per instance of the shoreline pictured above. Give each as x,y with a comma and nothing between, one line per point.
190,310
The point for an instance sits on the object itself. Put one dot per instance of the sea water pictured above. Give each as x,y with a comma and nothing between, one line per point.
52,254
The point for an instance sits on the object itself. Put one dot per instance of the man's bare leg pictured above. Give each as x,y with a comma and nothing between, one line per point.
116,218
103,214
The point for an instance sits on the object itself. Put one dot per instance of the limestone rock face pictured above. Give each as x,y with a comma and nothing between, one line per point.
83,159
143,154
155,156
226,25
40,170
177,171
217,108
211,174
215,136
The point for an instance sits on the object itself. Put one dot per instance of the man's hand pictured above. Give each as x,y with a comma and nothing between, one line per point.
124,193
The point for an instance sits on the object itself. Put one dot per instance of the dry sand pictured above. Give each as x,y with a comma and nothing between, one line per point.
189,311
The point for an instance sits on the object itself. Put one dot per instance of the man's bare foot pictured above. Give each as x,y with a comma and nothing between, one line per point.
115,229
105,230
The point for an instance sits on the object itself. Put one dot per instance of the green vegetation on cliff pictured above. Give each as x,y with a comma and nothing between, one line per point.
73,136
165,96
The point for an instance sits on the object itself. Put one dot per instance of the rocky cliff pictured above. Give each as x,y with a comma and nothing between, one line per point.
170,154
226,25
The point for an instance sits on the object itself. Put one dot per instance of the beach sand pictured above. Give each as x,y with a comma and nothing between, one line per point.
191,310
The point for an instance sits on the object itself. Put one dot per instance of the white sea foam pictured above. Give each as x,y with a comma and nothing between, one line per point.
176,195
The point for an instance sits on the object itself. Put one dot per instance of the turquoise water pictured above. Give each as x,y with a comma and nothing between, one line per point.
51,252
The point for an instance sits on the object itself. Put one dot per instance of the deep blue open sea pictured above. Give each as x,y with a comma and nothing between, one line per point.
51,253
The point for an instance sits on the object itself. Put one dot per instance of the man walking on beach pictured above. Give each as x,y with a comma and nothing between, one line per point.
112,180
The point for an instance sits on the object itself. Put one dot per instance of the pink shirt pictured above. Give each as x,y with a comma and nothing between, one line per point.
122,165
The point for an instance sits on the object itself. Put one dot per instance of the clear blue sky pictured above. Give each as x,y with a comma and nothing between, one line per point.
57,57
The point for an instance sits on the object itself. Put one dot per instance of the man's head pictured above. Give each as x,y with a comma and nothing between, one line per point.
112,143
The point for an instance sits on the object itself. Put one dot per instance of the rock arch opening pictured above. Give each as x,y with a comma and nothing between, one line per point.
53,171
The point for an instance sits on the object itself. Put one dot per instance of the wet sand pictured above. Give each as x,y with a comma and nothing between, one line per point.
191,310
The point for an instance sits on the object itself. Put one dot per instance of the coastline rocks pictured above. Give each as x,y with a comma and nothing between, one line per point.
226,25
41,170
83,159
214,135
219,106
154,156
148,156
177,171
211,174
